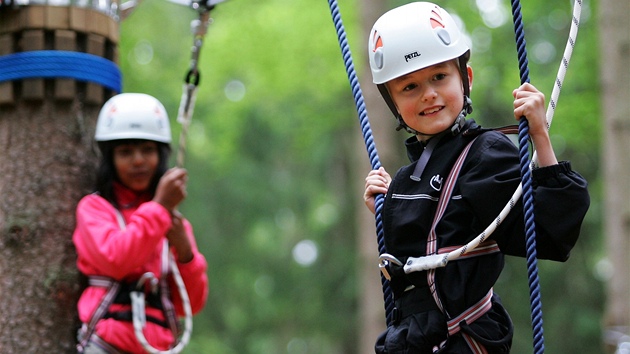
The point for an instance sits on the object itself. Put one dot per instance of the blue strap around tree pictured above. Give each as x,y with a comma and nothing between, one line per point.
369,143
61,64
528,199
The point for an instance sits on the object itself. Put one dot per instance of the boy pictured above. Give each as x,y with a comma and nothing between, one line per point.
419,62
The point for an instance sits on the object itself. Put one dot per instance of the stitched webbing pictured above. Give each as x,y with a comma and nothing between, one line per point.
445,196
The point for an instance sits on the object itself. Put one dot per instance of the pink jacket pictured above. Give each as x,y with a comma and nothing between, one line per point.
106,250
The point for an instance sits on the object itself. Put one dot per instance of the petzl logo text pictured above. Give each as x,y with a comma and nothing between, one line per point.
411,56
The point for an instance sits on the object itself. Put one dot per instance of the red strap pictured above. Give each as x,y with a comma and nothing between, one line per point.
471,314
445,196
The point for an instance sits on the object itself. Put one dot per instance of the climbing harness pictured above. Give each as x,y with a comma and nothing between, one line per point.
434,261
158,286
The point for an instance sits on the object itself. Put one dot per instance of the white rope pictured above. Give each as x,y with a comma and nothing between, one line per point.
138,308
436,261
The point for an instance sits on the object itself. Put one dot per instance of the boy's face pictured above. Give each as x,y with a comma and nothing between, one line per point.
429,99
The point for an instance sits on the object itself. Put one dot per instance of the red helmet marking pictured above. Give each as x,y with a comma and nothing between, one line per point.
436,19
378,43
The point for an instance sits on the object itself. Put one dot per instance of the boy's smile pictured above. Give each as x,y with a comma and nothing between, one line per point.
429,99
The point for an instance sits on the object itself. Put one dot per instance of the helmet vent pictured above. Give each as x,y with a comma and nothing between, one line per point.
378,58
444,36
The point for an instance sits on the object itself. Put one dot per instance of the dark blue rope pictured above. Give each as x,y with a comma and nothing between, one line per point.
61,64
369,143
528,200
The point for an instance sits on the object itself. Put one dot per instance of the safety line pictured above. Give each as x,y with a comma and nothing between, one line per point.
369,143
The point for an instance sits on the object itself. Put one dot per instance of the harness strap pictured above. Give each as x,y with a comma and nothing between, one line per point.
101,310
100,343
486,247
424,158
485,304
445,196
471,314
475,346
127,316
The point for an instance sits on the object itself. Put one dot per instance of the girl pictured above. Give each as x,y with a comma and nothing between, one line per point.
121,231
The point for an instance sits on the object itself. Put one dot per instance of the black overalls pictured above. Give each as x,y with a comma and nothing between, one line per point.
433,308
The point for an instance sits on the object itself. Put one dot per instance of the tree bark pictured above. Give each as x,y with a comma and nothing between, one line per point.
47,164
615,84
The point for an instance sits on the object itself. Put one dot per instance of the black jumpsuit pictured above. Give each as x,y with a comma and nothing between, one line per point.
488,178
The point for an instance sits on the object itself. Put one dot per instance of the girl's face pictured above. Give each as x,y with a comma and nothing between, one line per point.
429,99
136,163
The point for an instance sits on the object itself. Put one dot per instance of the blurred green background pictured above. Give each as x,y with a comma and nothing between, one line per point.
272,191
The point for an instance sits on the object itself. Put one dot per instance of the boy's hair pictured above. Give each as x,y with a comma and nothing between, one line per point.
106,174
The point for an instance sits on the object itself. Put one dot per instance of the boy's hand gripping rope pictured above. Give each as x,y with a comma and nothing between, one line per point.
432,262
369,143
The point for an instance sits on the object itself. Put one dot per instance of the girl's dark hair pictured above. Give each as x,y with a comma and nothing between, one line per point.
106,174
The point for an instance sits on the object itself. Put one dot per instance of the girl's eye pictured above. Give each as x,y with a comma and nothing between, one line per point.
123,150
149,149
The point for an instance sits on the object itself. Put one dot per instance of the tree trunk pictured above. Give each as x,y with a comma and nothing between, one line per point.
47,164
389,145
615,61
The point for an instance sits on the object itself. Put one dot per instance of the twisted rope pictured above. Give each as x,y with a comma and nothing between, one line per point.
528,198
369,143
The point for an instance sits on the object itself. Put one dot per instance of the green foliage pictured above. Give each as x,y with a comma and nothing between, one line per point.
268,157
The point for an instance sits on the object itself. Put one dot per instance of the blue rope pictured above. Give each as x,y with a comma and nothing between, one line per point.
369,143
61,64
528,200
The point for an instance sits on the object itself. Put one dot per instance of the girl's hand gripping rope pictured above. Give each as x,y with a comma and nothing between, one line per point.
171,189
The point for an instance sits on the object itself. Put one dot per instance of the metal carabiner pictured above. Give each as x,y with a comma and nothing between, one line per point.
384,261
153,282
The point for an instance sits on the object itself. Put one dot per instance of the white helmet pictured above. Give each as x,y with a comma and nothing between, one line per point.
412,37
133,116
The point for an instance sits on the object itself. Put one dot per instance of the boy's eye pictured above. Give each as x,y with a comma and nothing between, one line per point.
409,87
439,77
